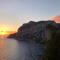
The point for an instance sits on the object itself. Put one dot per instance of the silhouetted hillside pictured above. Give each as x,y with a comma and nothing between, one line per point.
34,31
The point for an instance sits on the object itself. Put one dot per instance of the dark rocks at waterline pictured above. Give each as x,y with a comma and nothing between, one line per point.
12,36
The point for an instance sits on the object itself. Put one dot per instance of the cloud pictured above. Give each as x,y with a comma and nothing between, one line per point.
56,19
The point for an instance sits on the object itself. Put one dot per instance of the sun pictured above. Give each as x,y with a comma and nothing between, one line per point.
3,30
6,30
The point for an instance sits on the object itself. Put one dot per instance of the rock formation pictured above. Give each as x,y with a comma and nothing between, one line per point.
35,31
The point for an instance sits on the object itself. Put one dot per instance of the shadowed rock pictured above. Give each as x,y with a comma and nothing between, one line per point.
12,36
52,51
34,31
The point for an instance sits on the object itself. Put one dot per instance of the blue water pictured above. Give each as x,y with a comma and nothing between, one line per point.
11,49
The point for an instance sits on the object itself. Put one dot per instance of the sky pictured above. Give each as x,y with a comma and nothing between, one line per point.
13,13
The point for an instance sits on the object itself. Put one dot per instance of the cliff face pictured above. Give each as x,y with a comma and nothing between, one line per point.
52,51
35,31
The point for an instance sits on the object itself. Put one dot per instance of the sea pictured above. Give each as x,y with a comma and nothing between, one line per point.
11,49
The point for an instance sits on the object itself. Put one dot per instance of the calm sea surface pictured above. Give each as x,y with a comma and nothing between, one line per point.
11,49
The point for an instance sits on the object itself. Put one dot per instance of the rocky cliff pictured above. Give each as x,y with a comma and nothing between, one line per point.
35,31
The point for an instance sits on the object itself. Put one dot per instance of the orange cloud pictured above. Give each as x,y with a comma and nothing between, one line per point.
56,19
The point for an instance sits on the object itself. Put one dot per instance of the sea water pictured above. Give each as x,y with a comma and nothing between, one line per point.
11,49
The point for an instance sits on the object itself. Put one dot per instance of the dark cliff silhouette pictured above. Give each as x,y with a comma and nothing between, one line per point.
43,32
52,50
33,31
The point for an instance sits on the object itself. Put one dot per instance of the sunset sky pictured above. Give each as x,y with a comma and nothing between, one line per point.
13,13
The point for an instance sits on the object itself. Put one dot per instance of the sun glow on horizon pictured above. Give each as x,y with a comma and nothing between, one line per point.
4,30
